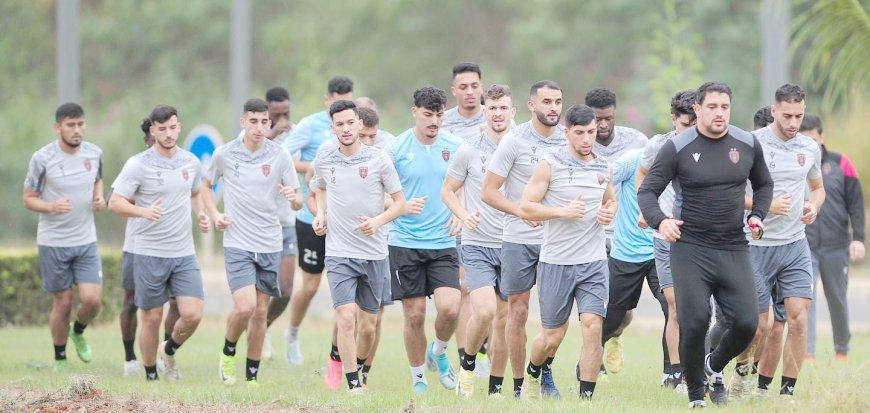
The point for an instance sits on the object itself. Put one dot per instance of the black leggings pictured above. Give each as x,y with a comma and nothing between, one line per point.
700,272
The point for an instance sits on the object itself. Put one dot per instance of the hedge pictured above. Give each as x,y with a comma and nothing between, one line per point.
23,301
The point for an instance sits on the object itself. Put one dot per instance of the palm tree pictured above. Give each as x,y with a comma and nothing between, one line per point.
833,38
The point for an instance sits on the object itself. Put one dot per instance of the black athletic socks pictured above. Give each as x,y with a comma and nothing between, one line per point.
229,348
365,373
548,363
151,373
60,352
360,363
764,382
518,386
352,380
755,367
252,367
742,368
468,361
170,347
495,384
78,327
167,336
586,389
129,352
333,354
533,371
788,384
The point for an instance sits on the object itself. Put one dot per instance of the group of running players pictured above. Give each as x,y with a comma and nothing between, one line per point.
465,207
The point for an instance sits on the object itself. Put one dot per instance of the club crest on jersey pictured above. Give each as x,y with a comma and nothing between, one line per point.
601,179
267,169
185,174
445,154
802,159
88,165
734,156
363,172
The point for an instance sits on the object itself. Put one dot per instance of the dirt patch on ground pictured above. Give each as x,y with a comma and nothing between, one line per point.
83,396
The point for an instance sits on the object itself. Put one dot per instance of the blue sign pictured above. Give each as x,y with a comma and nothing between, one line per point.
202,141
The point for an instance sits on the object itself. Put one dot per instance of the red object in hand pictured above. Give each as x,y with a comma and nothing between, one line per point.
753,225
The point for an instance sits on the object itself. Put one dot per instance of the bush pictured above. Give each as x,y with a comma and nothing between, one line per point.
23,301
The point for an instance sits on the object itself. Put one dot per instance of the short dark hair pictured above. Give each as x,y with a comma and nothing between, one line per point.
710,87
789,93
681,103
544,84
811,121
255,105
162,113
369,117
466,67
497,91
600,98
277,94
339,85
762,117
146,127
579,115
341,106
431,98
68,110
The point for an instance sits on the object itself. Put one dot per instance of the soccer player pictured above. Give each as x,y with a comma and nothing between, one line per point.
481,242
64,184
571,191
254,171
371,133
167,180
709,165
511,167
127,315
307,137
611,142
682,118
423,259
832,247
350,182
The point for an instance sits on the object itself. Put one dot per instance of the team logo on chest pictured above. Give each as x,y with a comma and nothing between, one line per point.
88,165
802,159
185,174
363,172
734,156
267,169
445,154
601,179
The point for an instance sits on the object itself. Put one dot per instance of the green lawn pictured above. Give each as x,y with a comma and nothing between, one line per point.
825,385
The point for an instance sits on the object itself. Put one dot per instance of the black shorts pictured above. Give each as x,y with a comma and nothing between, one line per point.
312,248
417,273
626,282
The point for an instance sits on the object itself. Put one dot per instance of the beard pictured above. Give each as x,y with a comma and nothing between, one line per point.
71,144
543,119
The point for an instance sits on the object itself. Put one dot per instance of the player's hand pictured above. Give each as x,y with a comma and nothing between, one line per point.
204,223
472,220
576,209
154,211
533,224
319,225
369,225
61,206
781,205
288,192
607,212
414,206
99,203
222,222
641,222
670,229
856,251
810,213
756,227
455,226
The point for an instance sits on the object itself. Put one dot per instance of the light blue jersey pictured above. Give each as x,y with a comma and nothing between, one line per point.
305,138
631,243
421,171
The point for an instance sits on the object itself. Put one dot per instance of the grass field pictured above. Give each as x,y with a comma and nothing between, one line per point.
824,385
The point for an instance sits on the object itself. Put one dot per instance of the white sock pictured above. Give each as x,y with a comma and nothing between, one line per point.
293,332
418,375
439,347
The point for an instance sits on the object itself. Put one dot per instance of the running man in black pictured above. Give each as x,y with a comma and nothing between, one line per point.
708,166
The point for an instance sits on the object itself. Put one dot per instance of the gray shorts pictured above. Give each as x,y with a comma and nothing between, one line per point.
158,278
128,282
788,267
519,267
355,280
662,252
387,291
61,267
560,286
289,242
259,269
482,268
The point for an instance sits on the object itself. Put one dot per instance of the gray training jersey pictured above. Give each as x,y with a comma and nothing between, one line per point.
355,186
250,190
286,214
148,177
569,241
469,166
624,140
650,151
465,128
790,164
515,159
55,174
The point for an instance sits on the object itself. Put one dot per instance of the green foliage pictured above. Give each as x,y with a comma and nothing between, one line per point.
22,300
